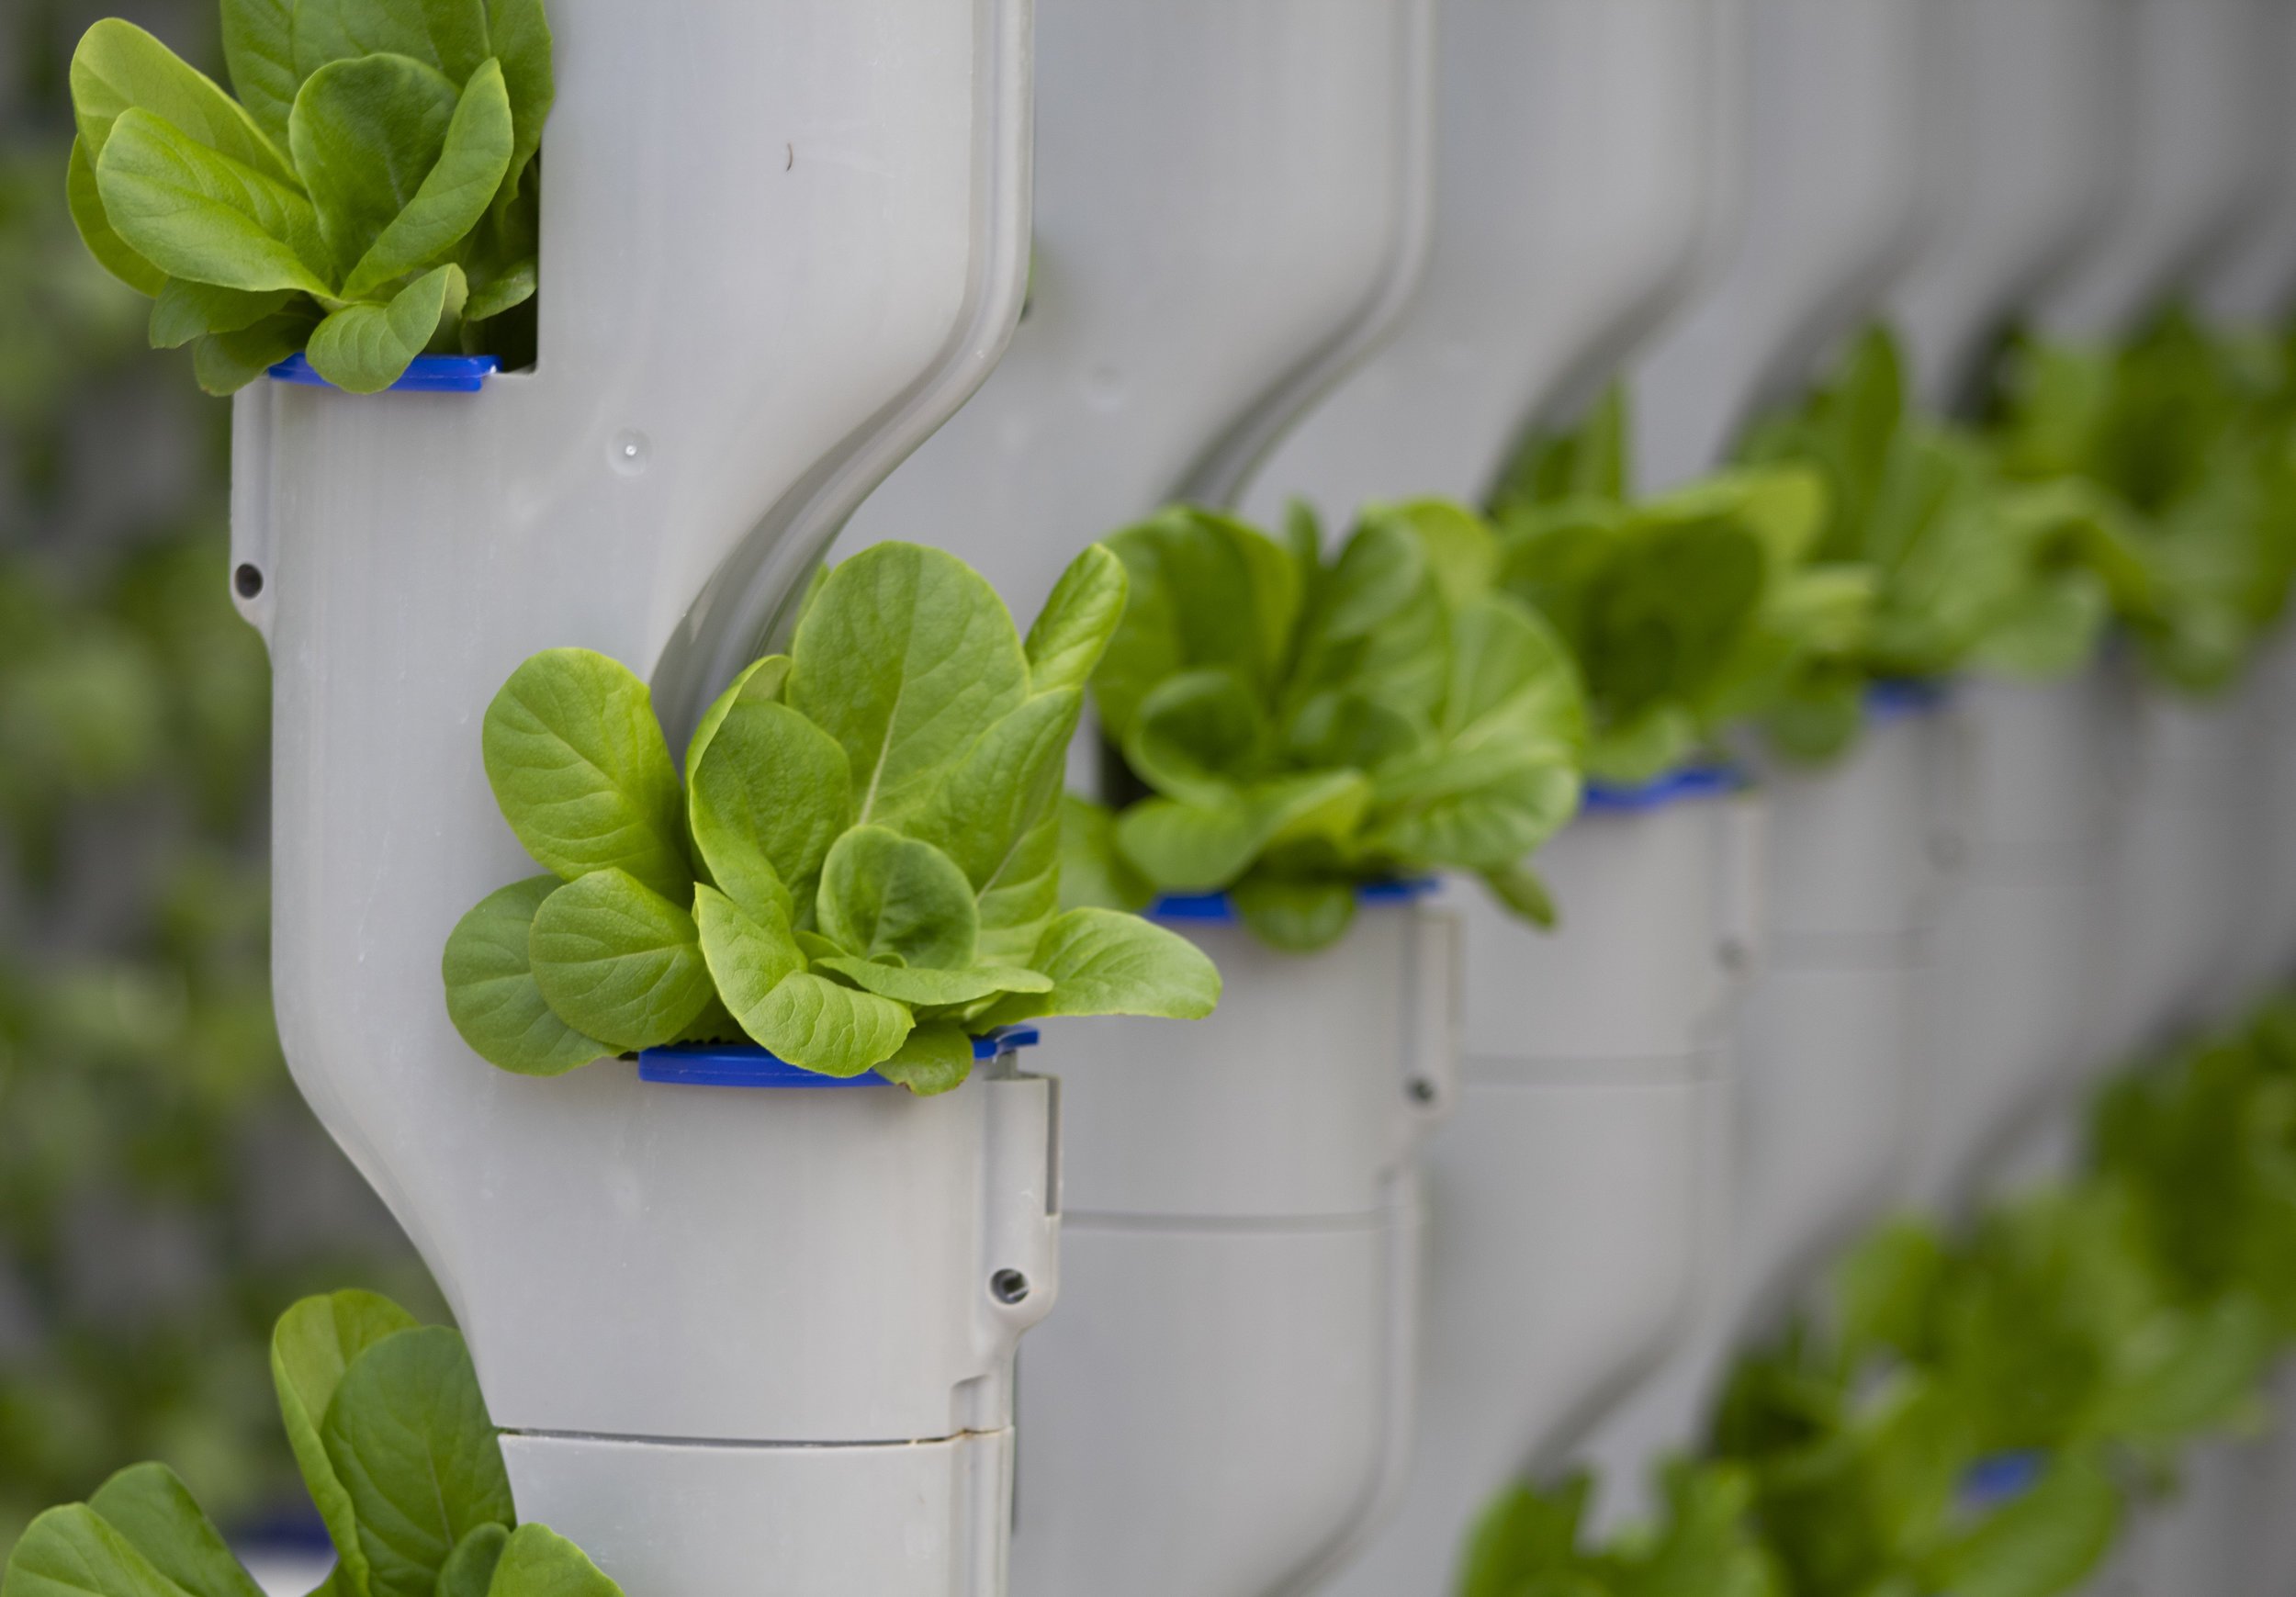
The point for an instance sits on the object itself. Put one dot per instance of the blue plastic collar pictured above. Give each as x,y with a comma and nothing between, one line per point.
2003,1478
430,373
726,1064
1895,700
1218,909
1696,781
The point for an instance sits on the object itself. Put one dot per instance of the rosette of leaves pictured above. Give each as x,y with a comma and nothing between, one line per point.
1686,612
403,1463
1971,567
368,197
1302,728
860,869
2191,442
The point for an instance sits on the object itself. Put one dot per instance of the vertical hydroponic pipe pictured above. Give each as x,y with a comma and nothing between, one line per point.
2256,288
1585,177
1233,1391
1232,205
741,1339
2024,122
2037,138
1842,192
1566,1197
1838,192
2253,291
2178,873
2181,824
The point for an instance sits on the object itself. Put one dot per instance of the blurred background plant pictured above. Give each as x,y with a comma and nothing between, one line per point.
163,1193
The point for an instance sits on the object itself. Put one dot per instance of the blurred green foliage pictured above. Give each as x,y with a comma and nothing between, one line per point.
1976,1412
163,1193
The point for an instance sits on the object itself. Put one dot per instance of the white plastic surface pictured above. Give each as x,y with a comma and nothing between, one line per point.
2255,282
1816,1122
1232,206
2266,955
2200,156
2268,1541
1584,171
659,1263
909,1519
2187,1539
1221,1404
1832,1055
1565,1196
2021,937
2183,881
2027,121
1839,195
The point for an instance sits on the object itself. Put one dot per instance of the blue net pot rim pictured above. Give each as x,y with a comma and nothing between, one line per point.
430,373
1690,783
1990,1482
1896,699
1218,908
729,1064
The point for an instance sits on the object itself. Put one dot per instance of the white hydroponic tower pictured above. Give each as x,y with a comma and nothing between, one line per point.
739,1339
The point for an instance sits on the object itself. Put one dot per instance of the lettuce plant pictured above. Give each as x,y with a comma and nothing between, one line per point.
1971,568
2089,1332
1684,612
1531,1543
369,195
2193,441
394,1442
861,867
1301,728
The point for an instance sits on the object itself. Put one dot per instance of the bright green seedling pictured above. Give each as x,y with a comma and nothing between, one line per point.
1304,728
401,1461
860,868
371,194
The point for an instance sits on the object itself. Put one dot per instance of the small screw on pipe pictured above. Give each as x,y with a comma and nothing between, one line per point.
248,581
1008,1286
1423,1091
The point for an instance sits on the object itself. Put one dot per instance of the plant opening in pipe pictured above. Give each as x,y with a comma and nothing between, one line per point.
403,1463
371,194
860,869
1301,728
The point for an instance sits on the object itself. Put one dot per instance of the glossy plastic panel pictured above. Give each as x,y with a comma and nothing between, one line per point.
2197,162
2026,120
1229,1385
1838,197
1232,205
782,238
1586,174
1565,1197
